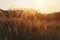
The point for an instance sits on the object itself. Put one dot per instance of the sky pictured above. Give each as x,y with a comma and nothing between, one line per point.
41,5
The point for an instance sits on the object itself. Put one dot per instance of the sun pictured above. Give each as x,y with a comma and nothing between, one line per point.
40,5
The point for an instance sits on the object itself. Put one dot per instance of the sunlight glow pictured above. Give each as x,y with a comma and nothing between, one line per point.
44,6
34,4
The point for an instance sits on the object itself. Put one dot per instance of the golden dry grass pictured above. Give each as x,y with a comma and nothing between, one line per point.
23,25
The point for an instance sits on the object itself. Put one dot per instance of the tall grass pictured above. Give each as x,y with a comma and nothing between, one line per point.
20,25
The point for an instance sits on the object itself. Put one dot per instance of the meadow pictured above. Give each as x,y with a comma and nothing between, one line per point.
29,25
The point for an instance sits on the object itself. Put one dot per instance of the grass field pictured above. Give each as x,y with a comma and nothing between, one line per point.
29,25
